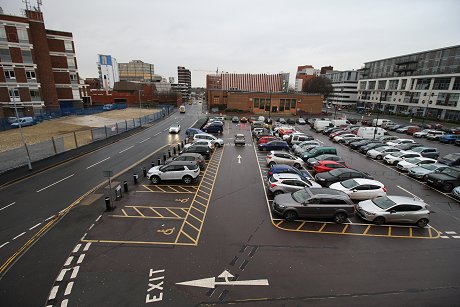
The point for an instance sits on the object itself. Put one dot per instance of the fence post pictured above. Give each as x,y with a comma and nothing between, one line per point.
75,137
140,122
116,124
126,125
92,135
134,123
54,145
105,129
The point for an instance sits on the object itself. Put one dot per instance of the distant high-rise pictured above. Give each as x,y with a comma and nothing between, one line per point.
107,68
136,70
184,76
304,73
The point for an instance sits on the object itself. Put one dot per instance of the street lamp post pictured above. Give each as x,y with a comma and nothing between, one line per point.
426,107
29,164
378,113
140,104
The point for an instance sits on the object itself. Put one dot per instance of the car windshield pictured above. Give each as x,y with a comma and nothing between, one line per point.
300,196
451,157
451,172
383,202
336,172
430,167
414,160
349,184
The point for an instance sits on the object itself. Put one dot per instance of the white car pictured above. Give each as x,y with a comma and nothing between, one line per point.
422,134
360,188
282,157
380,152
287,136
206,136
305,143
208,143
174,129
339,137
407,164
395,157
399,142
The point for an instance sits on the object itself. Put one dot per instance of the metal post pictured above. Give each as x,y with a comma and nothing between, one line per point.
135,178
75,137
105,129
378,113
29,164
144,171
116,124
169,153
54,145
164,158
159,161
125,186
126,125
174,150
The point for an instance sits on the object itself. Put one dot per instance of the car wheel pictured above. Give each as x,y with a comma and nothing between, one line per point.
340,218
296,165
278,192
379,220
187,179
155,179
271,164
422,223
447,187
379,157
290,215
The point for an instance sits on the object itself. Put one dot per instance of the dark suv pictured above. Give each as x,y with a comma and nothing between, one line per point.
314,203
446,179
200,149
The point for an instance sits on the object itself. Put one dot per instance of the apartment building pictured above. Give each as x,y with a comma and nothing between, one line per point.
107,68
425,84
184,77
137,70
38,66
345,88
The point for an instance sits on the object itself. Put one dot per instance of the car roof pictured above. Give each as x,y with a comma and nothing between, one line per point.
183,163
406,199
286,176
327,192
191,154
367,181
281,166
280,152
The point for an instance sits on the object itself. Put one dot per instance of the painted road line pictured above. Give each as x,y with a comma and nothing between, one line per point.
74,272
53,293
450,232
4,244
97,163
126,149
166,129
410,193
68,261
157,134
98,217
35,226
62,274
76,248
145,140
263,185
19,235
68,289
86,247
64,303
49,218
7,206
80,259
38,191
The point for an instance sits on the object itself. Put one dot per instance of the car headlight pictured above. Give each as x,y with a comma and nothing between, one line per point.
438,180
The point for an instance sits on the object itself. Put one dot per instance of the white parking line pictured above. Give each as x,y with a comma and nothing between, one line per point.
35,226
76,248
4,244
62,274
19,235
64,303
7,206
409,192
74,272
87,246
38,191
80,259
69,261
97,163
49,218
125,149
53,293
144,140
157,134
450,232
263,185
98,217
68,289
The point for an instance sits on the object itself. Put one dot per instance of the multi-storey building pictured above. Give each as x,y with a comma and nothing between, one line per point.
184,76
136,70
304,73
345,87
107,68
38,67
425,84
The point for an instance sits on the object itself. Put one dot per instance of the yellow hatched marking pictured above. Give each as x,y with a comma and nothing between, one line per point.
367,229
429,231
124,212
410,232
301,225
148,217
213,168
210,183
186,190
206,187
389,231
194,241
163,190
197,209
156,212
140,213
185,209
205,193
322,227
192,226
173,212
173,189
137,242
206,199
345,228
148,188
279,223
196,201
195,217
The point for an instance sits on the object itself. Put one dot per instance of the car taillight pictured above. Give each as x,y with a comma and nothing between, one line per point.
384,189
317,164
273,185
269,157
270,174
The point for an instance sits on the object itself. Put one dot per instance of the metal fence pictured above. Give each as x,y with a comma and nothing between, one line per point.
18,157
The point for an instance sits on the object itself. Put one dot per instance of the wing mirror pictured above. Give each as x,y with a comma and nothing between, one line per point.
392,211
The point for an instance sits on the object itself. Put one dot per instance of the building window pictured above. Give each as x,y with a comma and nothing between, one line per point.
30,75
70,62
73,78
393,85
27,56
281,109
423,84
5,55
441,83
22,35
215,100
262,103
9,74
293,103
35,95
3,34
382,84
68,46
14,94
371,85
256,103
456,86
287,104
76,94
267,104
403,84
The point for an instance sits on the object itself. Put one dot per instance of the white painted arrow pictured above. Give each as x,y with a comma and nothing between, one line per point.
211,282
239,159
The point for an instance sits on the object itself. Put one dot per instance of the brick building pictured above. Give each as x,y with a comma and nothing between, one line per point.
38,68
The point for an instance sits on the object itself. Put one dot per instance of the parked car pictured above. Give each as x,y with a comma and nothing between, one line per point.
394,209
427,152
421,171
449,138
422,134
273,145
399,142
407,164
320,150
408,146
395,157
23,121
205,136
452,159
213,128
201,149
186,171
174,128
283,168
314,203
201,142
282,120
435,135
310,162
305,143
288,183
243,120
266,139
326,166
445,179
339,174
283,157
239,139
190,132
360,188
338,138
235,119
364,149
456,193
188,157
301,121
380,152
388,138
412,129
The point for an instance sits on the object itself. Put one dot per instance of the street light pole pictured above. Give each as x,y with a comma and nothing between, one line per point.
424,113
378,113
29,164
140,104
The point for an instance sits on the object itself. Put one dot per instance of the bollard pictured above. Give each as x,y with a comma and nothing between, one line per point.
159,161
125,185
174,150
152,164
182,143
135,178
108,207
144,171
169,153
185,141
178,148
164,158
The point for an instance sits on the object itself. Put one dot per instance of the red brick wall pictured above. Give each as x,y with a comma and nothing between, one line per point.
20,75
61,77
24,94
11,34
64,93
2,77
56,45
59,62
4,96
16,55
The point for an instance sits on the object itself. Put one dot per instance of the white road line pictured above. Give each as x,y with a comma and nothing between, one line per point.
76,248
49,218
97,163
62,274
91,227
263,185
409,192
74,272
69,261
444,237
450,232
80,259
53,293
125,149
144,140
35,226
4,244
64,303
7,206
456,237
87,246
157,134
84,236
68,289
19,235
98,217
166,129
38,191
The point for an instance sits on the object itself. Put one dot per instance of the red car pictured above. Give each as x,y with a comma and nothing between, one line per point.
327,165
332,135
266,139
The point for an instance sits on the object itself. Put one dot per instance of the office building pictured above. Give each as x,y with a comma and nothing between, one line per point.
107,68
424,84
345,88
249,82
184,76
303,75
136,70
38,66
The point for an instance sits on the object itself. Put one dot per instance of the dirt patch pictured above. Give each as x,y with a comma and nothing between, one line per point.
66,126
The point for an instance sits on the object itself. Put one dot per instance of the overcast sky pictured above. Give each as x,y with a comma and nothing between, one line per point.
250,36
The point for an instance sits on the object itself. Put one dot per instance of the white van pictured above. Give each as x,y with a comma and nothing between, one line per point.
205,136
340,122
368,132
24,121
320,125
182,109
380,121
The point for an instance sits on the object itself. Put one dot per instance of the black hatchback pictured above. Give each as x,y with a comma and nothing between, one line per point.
446,179
200,149
339,174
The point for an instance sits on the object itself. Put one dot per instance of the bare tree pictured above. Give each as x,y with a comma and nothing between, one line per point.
318,85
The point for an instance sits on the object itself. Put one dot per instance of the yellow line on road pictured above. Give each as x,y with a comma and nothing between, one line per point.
148,217
193,240
199,220
156,212
301,225
204,192
345,228
196,201
410,232
162,190
367,229
136,242
172,212
197,209
173,189
137,210
322,227
190,224
389,231
147,189
124,212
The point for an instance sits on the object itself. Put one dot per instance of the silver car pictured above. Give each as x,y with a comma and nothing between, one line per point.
288,183
282,157
394,209
420,172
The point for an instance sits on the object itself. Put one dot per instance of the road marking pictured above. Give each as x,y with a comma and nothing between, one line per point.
4,244
76,248
86,247
69,261
145,140
7,206
35,226
211,282
98,217
64,303
126,149
157,134
410,193
62,274
450,232
80,259
49,218
91,227
74,272
456,237
53,293
97,163
239,159
38,191
68,289
19,235
166,129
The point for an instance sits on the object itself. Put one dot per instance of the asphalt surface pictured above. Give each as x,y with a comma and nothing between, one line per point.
160,237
